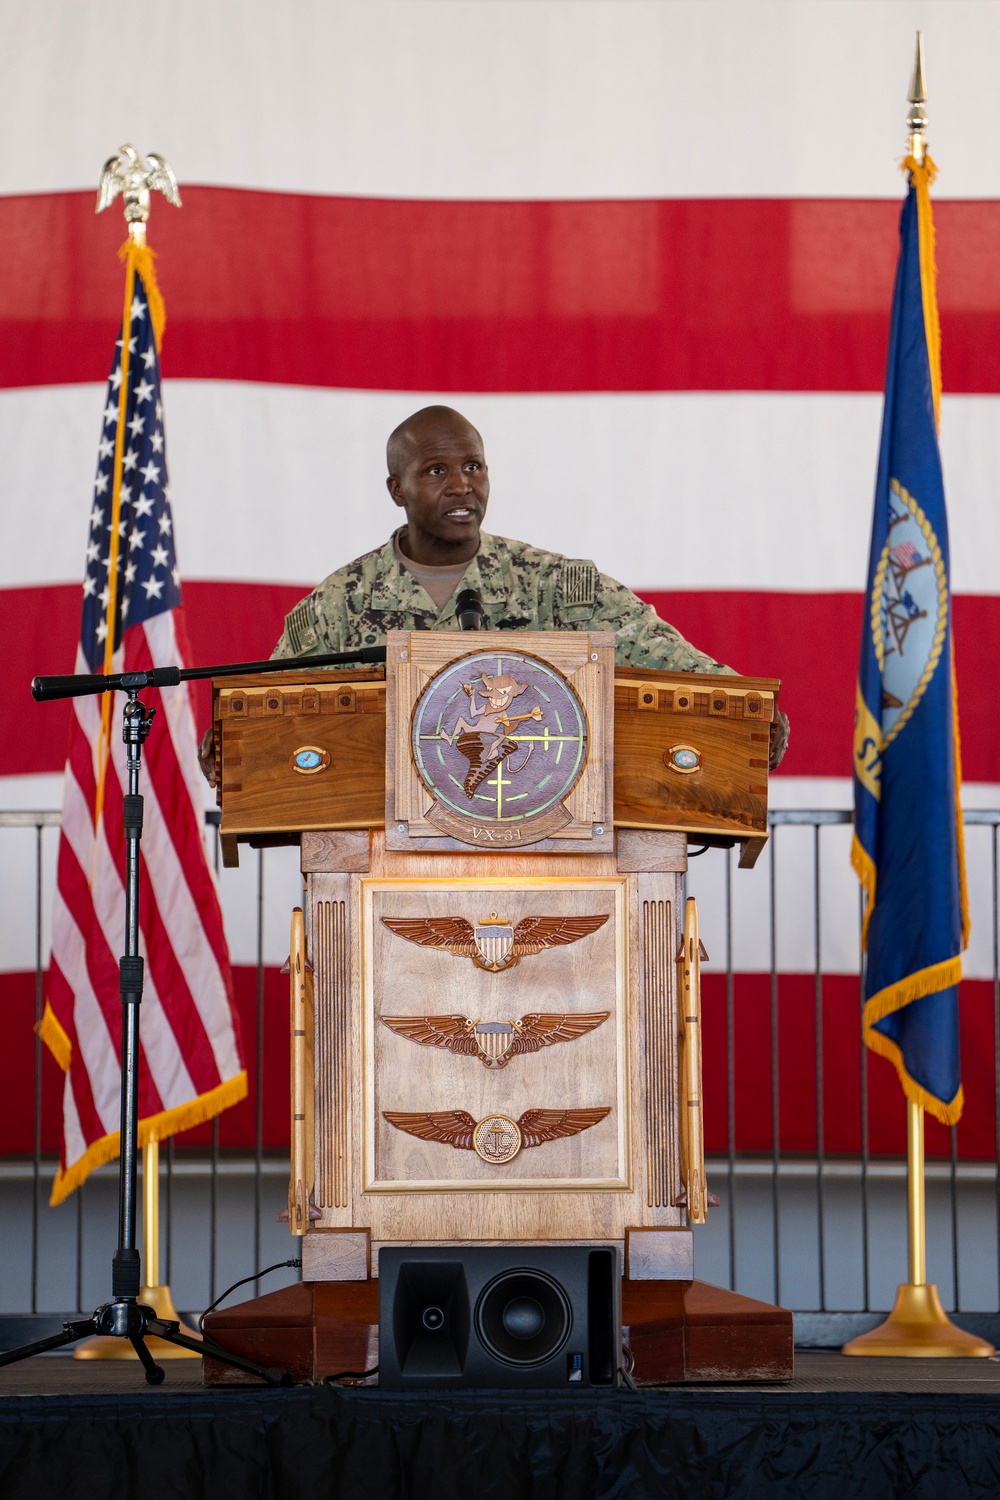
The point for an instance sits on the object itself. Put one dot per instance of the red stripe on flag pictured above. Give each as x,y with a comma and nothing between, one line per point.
164,972
704,294
797,1070
810,641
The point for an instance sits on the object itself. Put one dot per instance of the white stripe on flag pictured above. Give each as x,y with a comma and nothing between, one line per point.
98,1049
557,98
167,1068
688,490
190,944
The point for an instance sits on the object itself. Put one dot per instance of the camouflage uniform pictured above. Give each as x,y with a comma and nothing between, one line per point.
522,588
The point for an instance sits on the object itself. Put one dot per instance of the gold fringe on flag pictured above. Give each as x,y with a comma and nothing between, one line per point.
153,1128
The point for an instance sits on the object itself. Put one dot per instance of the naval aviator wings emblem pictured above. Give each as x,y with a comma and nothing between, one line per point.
495,944
496,1138
495,1042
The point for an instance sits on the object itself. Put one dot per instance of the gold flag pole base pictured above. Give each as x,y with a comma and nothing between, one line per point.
103,1346
162,1303
919,1328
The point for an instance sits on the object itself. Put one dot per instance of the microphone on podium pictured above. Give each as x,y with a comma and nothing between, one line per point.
469,610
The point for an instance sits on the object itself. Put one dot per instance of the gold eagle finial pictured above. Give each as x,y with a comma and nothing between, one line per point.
135,176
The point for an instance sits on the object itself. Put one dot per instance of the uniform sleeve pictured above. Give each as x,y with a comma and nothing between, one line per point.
642,638
308,630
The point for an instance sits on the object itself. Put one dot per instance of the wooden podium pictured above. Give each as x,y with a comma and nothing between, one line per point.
495,1001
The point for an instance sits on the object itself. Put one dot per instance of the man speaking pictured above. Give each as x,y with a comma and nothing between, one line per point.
439,479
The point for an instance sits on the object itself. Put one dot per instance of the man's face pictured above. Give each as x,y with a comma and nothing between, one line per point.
443,486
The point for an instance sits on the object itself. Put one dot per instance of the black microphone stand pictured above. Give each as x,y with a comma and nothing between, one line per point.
125,1316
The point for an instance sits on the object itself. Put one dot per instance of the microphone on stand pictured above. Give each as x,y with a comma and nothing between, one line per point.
469,610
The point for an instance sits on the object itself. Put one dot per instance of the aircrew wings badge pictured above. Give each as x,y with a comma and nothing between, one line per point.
495,1042
496,1138
495,944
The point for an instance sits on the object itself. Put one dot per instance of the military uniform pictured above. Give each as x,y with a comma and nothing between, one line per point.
522,588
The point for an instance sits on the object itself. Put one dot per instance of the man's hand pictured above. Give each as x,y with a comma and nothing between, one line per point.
779,741
206,757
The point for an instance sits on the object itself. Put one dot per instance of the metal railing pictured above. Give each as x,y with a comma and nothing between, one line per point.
822,1231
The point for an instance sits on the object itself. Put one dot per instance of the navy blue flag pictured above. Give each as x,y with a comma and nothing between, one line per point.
907,822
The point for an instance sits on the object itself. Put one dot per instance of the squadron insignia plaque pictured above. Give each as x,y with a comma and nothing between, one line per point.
499,740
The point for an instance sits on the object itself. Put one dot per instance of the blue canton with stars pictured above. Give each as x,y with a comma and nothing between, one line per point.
148,581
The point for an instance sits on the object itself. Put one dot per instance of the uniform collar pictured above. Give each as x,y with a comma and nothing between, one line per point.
489,572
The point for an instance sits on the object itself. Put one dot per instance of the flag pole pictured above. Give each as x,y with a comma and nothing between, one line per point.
918,1325
129,174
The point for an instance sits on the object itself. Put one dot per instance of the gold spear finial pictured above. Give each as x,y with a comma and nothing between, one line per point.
134,176
917,118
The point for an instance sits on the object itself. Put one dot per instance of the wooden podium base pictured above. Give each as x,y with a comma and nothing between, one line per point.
677,1331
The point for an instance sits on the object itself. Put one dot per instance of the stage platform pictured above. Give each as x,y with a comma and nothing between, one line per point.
924,1429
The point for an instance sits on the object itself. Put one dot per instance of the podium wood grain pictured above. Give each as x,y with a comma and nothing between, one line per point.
260,722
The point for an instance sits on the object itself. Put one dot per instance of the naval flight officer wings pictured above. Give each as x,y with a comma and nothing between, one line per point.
522,588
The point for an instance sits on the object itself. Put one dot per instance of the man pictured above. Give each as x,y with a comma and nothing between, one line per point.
439,479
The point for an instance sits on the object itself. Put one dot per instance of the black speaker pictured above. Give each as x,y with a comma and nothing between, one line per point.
500,1316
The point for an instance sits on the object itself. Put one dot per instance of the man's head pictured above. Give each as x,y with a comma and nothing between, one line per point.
438,475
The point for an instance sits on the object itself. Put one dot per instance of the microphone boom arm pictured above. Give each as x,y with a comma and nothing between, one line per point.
81,684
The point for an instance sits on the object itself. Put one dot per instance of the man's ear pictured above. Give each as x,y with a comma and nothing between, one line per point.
393,486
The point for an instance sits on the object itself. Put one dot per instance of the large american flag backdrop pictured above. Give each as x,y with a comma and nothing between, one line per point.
647,248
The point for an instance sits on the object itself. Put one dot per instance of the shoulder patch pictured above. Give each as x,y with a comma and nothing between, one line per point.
579,579
300,626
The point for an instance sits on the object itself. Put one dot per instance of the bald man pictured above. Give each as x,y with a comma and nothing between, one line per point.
439,479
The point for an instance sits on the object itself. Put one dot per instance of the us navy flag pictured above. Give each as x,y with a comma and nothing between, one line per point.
907,822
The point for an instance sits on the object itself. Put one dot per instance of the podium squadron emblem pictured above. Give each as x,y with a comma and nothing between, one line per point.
496,1138
499,737
495,1042
495,944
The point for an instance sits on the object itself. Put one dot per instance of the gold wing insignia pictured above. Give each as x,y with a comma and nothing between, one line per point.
540,1125
538,1030
453,1127
452,933
532,934
452,1032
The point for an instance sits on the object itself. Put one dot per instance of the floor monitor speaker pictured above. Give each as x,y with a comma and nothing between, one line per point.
501,1316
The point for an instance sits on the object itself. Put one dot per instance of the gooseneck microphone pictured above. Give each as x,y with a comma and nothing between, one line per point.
469,610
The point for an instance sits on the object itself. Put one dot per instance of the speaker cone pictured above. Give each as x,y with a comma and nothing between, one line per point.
523,1317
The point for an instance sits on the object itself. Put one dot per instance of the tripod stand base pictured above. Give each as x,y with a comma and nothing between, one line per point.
919,1328
159,1299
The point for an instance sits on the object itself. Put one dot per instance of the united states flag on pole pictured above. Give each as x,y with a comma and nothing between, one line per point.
191,1065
